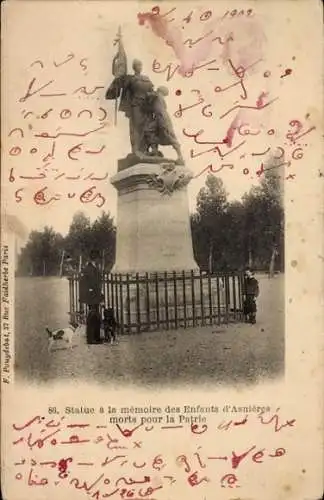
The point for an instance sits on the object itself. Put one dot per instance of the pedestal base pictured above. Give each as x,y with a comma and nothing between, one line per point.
153,223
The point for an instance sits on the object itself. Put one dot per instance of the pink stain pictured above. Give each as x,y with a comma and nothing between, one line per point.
187,56
231,131
260,100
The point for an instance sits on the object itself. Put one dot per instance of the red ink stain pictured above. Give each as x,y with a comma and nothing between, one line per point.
287,72
260,99
230,133
178,92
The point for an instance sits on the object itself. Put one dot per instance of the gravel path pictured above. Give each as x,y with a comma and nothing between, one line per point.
234,354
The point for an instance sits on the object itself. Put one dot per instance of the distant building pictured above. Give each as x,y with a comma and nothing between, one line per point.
14,234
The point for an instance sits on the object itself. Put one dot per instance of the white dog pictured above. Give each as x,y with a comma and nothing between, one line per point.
64,334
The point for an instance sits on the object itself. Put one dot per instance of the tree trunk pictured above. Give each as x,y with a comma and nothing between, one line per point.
272,262
210,257
250,263
103,261
44,268
61,264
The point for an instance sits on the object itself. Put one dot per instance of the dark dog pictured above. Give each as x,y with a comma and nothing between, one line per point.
109,325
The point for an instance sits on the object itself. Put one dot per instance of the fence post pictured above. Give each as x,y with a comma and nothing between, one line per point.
138,312
121,303
129,318
193,299
201,299
218,300
148,315
210,300
234,295
112,291
166,299
175,300
184,299
157,300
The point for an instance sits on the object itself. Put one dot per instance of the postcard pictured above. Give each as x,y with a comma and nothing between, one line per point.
162,250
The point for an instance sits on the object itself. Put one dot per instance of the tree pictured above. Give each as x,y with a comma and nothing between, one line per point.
41,255
78,240
103,236
208,224
264,221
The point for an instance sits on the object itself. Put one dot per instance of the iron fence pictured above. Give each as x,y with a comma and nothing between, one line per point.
158,301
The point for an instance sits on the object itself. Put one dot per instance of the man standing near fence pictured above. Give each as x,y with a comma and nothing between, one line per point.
90,294
251,292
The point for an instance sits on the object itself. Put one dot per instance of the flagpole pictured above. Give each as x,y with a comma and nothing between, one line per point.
119,62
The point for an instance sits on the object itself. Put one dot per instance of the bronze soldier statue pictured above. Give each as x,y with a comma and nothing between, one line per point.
149,121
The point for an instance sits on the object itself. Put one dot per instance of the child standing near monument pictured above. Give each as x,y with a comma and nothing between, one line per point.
251,292
160,129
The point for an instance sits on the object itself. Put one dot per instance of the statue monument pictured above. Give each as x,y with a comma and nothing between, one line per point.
153,223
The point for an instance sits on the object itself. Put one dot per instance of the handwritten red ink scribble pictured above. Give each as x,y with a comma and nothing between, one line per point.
55,94
63,464
207,114
171,69
172,427
239,106
287,72
278,453
261,154
17,129
72,426
194,481
69,58
65,114
46,135
37,62
182,459
15,151
30,93
297,154
230,480
84,90
173,37
37,419
195,428
275,419
87,111
75,440
158,463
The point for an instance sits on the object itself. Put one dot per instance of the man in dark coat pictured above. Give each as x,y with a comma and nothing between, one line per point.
251,292
90,294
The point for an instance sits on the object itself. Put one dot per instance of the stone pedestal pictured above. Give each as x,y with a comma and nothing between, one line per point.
153,223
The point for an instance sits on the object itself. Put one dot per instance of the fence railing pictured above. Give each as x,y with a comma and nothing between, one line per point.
159,301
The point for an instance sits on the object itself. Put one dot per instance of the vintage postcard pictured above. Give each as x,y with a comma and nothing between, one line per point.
162,250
